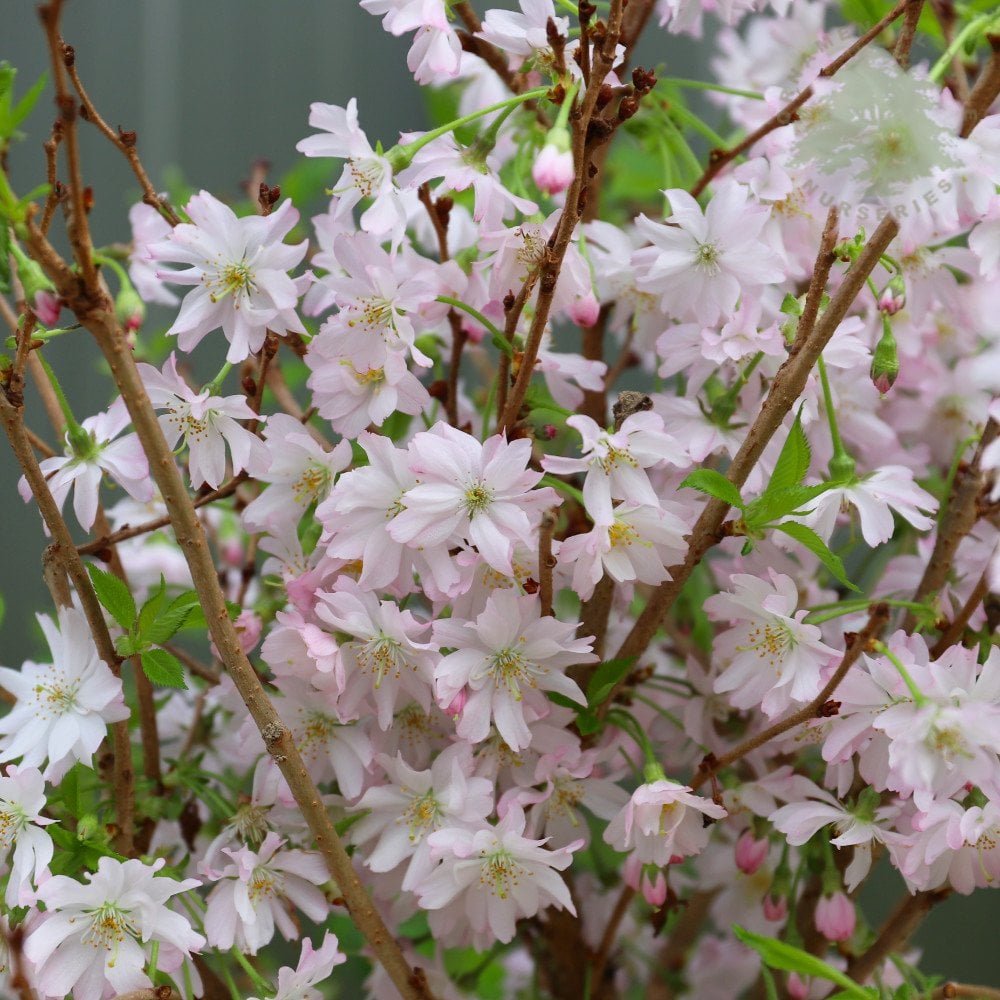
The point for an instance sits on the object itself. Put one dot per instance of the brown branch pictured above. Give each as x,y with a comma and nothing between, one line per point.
610,935
985,91
901,50
98,545
124,142
583,148
953,633
152,993
719,158
546,562
785,389
955,522
951,990
64,551
858,644
895,932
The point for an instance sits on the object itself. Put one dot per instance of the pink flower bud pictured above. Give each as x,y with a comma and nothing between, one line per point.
248,627
553,169
46,307
654,892
585,310
798,988
750,852
775,908
835,917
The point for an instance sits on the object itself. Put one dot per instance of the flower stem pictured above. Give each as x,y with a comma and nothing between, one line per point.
214,387
78,437
842,464
718,88
918,696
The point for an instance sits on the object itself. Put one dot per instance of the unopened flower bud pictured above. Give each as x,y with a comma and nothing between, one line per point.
750,852
835,917
130,310
885,363
654,890
37,288
46,308
775,908
553,168
893,297
457,703
585,310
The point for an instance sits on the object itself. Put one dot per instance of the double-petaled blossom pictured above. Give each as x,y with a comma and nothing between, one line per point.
413,804
240,269
471,493
206,423
255,893
490,877
90,453
662,822
770,657
381,658
62,708
702,262
503,662
95,939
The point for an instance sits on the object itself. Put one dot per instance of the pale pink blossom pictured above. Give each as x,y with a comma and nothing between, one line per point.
702,263
94,939
314,968
662,822
251,895
88,456
22,798
524,33
148,227
63,708
206,423
240,269
553,170
506,659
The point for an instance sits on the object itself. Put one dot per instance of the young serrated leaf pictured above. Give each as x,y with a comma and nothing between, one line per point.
793,462
776,504
807,537
167,623
150,611
129,645
114,596
715,485
24,106
163,668
587,722
788,958
606,678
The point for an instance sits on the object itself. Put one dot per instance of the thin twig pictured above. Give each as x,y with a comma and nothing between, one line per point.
985,91
901,50
951,990
860,643
610,934
546,563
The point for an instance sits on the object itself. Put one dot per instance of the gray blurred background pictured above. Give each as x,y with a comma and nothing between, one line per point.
211,87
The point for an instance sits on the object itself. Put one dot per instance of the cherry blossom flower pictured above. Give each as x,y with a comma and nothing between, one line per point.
413,804
63,708
472,493
662,821
88,456
207,424
251,894
615,463
701,263
506,659
22,798
436,50
314,968
380,656
148,227
240,267
300,471
771,657
490,877
367,174
523,34
95,938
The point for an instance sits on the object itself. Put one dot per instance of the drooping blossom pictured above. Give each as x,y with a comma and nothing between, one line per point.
207,423
314,968
63,708
240,269
249,899
88,456
95,938
662,821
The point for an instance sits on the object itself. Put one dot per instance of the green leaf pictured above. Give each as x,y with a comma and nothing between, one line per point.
605,679
788,958
24,106
163,668
793,462
715,485
170,621
129,645
807,537
587,722
114,595
774,504
151,609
